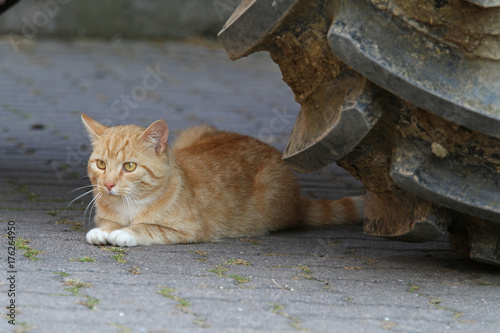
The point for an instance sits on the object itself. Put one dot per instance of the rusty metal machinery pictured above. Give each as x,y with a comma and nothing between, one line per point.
405,95
6,4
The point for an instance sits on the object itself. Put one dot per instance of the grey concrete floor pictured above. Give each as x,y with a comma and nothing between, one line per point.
314,280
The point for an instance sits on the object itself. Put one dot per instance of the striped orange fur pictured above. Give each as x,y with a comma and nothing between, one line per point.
208,185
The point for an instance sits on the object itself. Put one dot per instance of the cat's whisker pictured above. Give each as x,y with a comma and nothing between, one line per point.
135,211
99,196
92,204
131,205
131,208
88,205
81,187
135,202
80,196
125,200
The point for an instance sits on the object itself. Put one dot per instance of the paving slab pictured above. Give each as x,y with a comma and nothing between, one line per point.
311,280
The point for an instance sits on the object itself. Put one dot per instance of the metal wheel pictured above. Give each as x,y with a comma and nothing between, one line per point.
405,95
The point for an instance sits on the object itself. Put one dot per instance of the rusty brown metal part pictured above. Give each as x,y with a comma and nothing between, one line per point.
405,95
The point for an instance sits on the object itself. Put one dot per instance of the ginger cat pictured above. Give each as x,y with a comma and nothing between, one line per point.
208,185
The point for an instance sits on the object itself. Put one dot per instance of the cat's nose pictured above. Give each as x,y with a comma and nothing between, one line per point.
109,185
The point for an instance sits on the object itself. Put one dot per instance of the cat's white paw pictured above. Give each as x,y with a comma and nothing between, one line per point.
121,238
97,237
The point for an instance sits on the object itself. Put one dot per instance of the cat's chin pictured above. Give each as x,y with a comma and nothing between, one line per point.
110,195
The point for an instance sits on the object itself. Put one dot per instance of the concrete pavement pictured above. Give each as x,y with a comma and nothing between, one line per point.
315,280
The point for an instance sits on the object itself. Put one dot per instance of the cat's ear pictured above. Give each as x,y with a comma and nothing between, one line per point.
157,135
93,127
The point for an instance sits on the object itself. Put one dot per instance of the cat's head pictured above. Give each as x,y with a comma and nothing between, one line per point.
127,162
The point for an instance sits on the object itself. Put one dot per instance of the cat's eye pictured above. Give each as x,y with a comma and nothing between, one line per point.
101,164
129,166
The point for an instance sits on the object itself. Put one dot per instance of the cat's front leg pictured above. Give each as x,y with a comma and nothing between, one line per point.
97,236
122,238
148,234
100,235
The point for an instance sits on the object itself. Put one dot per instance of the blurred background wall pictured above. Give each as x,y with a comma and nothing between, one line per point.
111,19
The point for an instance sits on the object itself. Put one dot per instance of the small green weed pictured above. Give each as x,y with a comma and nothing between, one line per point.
83,259
277,309
52,212
23,189
219,270
413,289
238,262
29,252
120,253
239,279
78,226
182,304
251,240
61,273
74,286
90,302
306,273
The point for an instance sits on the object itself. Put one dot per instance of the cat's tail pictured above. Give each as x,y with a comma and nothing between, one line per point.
349,210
